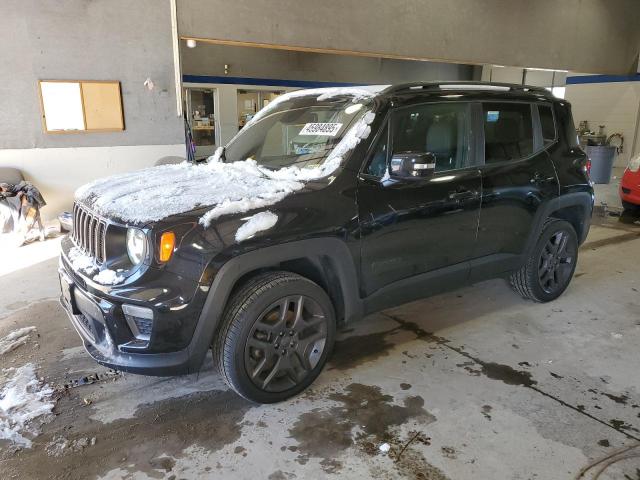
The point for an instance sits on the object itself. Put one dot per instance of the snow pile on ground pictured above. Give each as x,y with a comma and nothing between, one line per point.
81,262
15,339
23,398
256,223
108,277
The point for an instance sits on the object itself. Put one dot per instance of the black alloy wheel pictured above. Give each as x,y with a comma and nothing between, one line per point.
556,263
549,266
277,332
285,343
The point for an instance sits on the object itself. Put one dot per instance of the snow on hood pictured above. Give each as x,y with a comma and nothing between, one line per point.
23,398
155,193
159,192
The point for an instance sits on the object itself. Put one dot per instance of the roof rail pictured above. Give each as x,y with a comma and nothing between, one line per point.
467,85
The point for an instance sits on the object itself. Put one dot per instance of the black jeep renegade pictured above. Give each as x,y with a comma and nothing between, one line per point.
330,204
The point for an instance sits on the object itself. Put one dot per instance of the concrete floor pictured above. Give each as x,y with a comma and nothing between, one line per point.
501,388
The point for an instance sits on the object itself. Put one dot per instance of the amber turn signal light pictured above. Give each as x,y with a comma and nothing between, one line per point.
167,244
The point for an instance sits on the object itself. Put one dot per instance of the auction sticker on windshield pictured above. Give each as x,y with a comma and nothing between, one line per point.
328,129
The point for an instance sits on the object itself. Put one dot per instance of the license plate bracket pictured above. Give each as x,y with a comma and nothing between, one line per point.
66,287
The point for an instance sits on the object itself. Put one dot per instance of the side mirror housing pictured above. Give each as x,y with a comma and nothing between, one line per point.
413,164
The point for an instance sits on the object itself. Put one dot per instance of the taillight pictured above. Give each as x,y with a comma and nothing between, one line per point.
587,167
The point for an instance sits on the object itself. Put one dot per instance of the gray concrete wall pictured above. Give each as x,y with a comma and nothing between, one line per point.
207,59
597,36
87,40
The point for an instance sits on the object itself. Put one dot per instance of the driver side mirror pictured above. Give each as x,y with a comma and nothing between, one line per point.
413,164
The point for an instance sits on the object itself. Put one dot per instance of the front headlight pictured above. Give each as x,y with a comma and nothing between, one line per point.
136,245
634,164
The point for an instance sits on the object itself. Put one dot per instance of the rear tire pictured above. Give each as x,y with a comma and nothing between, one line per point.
277,332
548,271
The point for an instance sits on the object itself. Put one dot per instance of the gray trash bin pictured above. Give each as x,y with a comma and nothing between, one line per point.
602,158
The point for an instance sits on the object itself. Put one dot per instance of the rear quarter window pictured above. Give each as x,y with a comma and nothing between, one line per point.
566,125
547,124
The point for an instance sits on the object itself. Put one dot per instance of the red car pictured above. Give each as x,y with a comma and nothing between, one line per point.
630,185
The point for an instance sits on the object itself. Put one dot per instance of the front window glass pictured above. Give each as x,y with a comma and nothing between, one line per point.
508,131
378,163
437,128
300,131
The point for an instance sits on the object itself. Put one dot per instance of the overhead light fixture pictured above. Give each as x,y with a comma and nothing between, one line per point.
191,43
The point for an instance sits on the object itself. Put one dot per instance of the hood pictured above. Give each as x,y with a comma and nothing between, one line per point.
153,194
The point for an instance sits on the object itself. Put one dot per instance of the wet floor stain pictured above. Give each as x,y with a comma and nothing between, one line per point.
280,475
621,399
353,351
622,425
211,420
486,411
625,237
326,433
507,374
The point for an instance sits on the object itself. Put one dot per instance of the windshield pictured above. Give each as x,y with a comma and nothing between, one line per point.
300,131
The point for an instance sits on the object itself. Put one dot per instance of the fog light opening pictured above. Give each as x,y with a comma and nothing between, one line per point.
140,321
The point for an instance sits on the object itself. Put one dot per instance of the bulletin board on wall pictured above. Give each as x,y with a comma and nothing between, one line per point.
70,106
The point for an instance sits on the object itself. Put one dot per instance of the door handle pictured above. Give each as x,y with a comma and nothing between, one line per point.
538,179
462,195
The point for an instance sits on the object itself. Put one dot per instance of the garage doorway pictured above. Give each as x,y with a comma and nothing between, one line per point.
201,112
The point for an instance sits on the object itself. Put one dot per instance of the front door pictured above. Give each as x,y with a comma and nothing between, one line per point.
415,228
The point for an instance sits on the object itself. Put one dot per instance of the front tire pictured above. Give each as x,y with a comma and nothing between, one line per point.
550,266
276,335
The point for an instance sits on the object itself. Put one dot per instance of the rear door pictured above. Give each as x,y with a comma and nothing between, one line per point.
518,177
411,227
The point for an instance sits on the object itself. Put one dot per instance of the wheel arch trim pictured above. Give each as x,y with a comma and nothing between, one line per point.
333,249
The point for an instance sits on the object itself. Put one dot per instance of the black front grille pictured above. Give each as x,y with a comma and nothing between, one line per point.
89,232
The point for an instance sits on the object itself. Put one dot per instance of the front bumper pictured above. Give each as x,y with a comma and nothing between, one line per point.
630,187
96,314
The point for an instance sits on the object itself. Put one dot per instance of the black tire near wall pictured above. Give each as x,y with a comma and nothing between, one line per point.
276,334
549,269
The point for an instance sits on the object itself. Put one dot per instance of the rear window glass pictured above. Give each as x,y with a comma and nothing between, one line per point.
547,125
508,131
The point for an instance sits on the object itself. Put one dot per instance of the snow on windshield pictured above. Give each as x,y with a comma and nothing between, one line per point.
356,93
155,193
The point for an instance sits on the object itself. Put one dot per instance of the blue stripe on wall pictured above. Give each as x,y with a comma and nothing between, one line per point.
603,79
271,82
